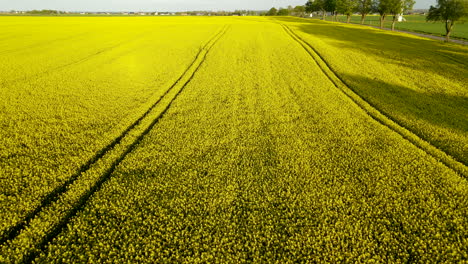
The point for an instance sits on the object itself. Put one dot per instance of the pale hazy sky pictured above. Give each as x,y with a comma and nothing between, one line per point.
157,5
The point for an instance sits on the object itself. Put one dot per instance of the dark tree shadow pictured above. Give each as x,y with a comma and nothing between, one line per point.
448,57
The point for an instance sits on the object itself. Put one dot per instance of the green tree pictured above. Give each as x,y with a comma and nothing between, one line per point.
364,7
299,11
283,12
316,6
330,6
383,7
398,7
448,11
346,7
272,12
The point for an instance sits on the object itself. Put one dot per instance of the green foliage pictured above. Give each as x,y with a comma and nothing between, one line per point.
416,23
399,7
364,7
283,12
346,7
383,7
43,12
448,11
272,12
317,6
331,5
299,9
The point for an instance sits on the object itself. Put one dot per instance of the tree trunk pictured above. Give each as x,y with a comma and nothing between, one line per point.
363,16
448,29
382,20
393,23
336,16
348,18
323,15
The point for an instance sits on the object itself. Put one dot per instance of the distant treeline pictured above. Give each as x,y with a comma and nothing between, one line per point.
44,12
299,10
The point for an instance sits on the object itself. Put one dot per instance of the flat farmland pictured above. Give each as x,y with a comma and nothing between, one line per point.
230,140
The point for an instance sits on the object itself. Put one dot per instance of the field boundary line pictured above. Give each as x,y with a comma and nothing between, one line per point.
374,113
54,196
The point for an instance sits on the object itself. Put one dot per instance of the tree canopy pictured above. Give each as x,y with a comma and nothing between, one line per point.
283,12
346,7
272,12
364,7
317,6
448,11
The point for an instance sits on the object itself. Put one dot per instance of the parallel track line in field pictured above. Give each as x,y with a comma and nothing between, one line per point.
373,111
83,200
56,194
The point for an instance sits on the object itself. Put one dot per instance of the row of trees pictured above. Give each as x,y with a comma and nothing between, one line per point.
44,12
447,11
299,11
363,7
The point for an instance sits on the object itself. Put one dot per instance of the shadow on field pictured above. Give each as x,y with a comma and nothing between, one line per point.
441,110
446,112
383,43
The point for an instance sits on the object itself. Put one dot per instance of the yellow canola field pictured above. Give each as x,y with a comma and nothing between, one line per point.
249,152
70,86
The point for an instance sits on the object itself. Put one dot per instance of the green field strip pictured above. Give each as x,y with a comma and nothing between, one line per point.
31,235
373,112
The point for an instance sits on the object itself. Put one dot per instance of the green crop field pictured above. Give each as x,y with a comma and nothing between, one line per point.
230,140
416,23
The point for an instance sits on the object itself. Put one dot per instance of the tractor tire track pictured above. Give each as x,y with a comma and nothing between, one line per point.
375,113
108,174
57,193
